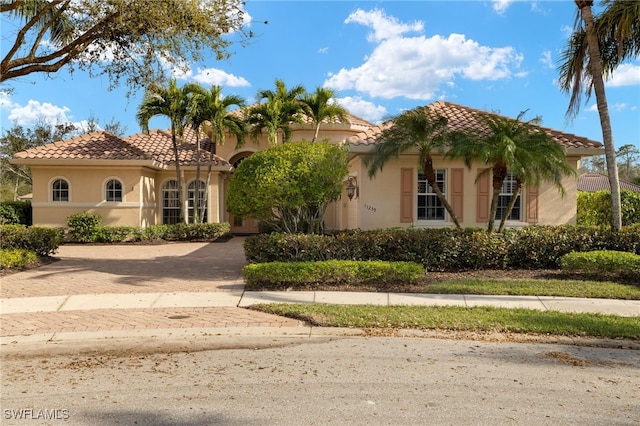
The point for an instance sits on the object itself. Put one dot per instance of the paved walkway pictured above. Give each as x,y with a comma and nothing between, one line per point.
108,291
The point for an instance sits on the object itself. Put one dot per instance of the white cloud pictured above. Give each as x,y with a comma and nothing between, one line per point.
384,27
615,107
5,100
416,67
625,75
364,109
35,111
546,59
566,31
323,50
214,76
501,6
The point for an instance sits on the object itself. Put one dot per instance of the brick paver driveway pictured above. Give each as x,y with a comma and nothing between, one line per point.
129,269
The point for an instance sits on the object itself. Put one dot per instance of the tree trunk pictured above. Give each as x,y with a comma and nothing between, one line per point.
512,202
178,177
499,175
315,135
595,69
430,175
197,216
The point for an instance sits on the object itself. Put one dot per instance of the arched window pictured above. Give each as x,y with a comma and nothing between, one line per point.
200,202
113,190
60,190
170,203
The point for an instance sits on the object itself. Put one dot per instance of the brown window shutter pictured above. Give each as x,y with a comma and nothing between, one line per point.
406,195
532,205
457,192
484,197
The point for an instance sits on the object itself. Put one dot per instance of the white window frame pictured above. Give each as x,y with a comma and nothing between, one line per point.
191,199
506,192
428,194
52,190
175,208
106,190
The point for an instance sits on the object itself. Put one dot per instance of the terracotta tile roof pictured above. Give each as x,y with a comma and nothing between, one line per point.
465,118
592,182
155,146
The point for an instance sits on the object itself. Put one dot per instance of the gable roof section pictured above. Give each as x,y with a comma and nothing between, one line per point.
592,182
155,147
461,118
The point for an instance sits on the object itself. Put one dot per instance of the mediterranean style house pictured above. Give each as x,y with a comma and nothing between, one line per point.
132,181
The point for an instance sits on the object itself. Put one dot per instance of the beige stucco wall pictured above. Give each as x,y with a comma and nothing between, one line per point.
86,194
378,204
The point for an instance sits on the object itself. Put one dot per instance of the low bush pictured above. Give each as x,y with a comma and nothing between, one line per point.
88,228
41,240
16,258
602,262
332,272
533,247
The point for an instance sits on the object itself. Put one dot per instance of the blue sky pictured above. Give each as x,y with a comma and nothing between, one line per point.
382,57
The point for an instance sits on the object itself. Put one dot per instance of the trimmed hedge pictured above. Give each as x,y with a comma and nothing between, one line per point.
87,228
332,272
602,261
594,208
447,249
43,241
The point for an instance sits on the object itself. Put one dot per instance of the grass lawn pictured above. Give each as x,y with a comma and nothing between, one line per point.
480,319
455,318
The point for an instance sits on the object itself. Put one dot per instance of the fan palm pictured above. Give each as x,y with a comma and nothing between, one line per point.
318,106
172,102
511,146
418,129
279,109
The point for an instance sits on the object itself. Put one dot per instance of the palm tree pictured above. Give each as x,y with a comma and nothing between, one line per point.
173,103
511,146
418,129
318,107
213,114
594,50
280,109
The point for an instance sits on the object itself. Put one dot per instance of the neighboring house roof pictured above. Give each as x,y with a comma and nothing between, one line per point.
156,147
462,118
592,182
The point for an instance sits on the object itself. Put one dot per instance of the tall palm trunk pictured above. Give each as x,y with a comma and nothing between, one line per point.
512,203
595,69
315,135
178,175
197,213
430,175
499,175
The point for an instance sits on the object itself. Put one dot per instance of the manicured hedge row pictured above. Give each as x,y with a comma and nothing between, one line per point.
332,272
43,241
87,228
534,247
603,262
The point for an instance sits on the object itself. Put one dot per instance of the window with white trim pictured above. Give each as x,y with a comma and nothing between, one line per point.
170,203
113,190
60,190
506,192
429,205
191,200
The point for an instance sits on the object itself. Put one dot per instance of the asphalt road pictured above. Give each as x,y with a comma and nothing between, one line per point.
356,381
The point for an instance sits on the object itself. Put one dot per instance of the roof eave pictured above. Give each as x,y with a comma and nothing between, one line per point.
88,162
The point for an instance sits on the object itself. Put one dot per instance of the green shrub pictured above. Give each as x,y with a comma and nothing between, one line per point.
15,213
16,258
594,209
332,272
43,241
533,247
602,262
83,227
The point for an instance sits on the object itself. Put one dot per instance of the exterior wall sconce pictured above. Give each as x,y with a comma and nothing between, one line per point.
352,188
